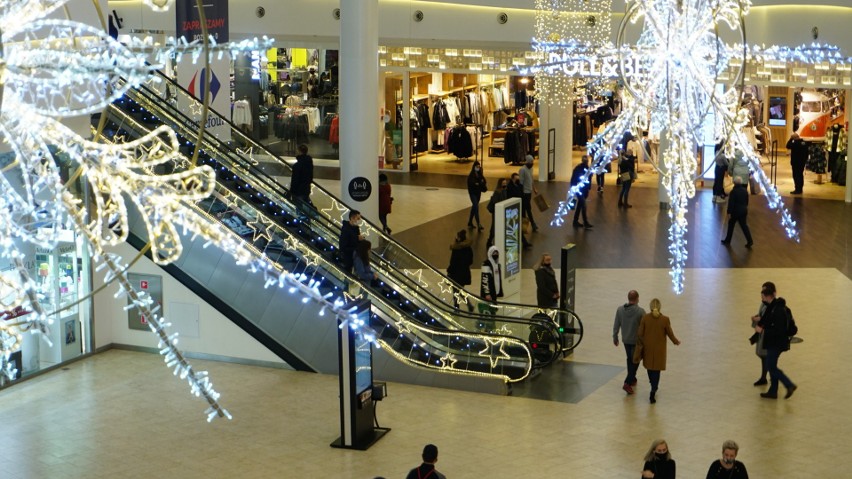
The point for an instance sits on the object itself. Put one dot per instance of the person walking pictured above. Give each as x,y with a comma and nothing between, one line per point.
658,462
385,201
738,212
580,208
798,157
719,172
475,187
627,171
757,340
546,287
774,323
302,177
525,173
728,467
461,258
427,468
627,319
496,197
350,235
651,344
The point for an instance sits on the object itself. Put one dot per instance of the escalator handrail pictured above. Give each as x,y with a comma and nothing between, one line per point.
425,265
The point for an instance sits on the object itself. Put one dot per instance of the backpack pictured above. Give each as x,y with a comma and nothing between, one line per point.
792,329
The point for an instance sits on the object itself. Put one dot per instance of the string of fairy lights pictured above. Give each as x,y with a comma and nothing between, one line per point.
672,76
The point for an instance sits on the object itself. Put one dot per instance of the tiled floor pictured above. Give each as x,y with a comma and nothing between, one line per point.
122,414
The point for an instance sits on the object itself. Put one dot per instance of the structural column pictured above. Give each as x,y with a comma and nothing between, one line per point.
561,119
848,197
359,105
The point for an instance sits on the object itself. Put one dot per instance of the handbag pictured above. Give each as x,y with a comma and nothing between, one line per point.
541,203
625,176
484,186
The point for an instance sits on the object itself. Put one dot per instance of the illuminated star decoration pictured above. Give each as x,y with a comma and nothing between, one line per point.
262,228
494,350
679,57
445,285
449,361
416,274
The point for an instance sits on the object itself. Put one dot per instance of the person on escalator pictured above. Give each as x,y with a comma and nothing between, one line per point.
461,257
361,261
491,284
303,176
350,235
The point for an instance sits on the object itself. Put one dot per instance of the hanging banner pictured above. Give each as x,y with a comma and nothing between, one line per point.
189,20
191,76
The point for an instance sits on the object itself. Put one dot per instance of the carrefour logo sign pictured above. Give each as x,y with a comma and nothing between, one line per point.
197,84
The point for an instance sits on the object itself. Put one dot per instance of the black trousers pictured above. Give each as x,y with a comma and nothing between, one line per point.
798,174
742,221
580,209
526,209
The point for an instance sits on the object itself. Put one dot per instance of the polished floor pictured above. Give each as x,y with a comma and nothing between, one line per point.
122,414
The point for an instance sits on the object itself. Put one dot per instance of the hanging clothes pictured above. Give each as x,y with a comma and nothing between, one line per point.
459,143
816,158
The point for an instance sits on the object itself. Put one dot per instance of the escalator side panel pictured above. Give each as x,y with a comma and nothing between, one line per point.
386,368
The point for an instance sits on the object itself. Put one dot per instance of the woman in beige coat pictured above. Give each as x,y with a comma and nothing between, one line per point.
651,344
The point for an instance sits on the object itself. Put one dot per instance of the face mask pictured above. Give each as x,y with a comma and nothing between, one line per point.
661,455
359,223
495,257
728,460
476,169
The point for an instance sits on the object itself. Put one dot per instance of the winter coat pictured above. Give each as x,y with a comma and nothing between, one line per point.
576,177
738,168
651,341
545,287
738,201
461,259
303,175
476,183
774,324
385,199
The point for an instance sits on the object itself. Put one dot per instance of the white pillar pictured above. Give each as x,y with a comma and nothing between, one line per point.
359,104
848,170
561,119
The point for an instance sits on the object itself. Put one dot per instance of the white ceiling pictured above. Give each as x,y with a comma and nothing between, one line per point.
619,4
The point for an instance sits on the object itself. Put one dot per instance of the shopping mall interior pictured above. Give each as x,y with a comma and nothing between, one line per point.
101,403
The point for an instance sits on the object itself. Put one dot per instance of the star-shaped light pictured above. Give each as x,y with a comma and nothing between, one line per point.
449,361
262,227
494,350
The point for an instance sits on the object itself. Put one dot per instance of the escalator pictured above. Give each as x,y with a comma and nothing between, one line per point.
412,317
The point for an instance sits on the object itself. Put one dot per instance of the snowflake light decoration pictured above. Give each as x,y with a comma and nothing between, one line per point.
675,68
52,69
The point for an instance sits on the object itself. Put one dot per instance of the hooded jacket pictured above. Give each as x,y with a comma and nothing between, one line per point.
774,324
461,259
492,277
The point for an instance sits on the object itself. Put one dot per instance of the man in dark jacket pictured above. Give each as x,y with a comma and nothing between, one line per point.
738,211
303,176
773,325
350,235
427,469
546,287
576,177
798,157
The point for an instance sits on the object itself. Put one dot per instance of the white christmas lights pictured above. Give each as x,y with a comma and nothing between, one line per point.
680,60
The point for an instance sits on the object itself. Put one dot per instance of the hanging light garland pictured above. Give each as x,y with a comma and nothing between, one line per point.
567,29
670,76
52,69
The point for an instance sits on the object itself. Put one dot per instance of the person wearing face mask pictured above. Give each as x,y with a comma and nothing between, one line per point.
658,462
491,285
757,340
350,235
577,178
728,467
776,339
475,187
651,343
546,287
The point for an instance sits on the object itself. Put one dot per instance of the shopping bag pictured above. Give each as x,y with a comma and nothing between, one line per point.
541,203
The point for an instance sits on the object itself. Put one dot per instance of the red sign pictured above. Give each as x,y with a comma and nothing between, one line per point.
142,319
143,284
